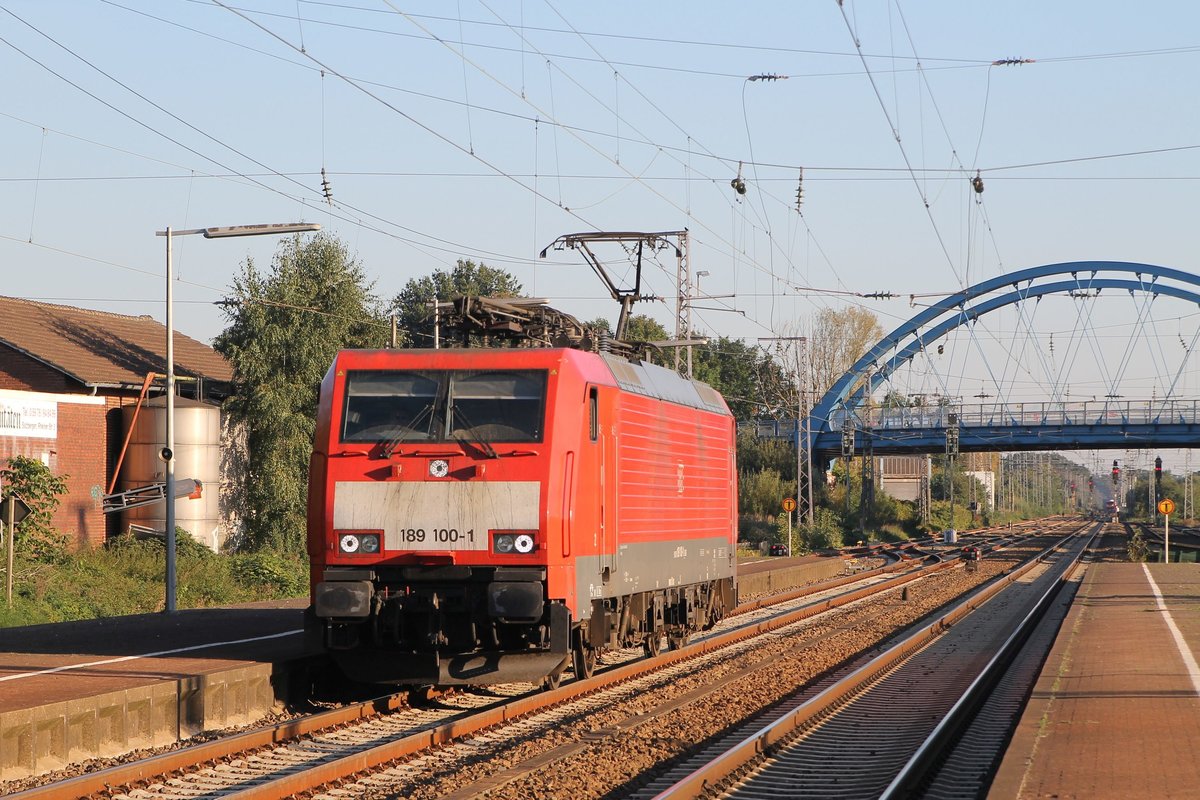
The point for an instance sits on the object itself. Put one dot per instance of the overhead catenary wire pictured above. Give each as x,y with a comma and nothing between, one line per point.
750,247
152,129
983,63
672,120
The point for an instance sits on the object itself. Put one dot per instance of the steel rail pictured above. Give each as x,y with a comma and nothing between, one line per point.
339,769
143,770
708,777
156,766
164,763
915,770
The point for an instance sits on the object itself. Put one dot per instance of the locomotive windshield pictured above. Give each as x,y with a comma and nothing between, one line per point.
444,405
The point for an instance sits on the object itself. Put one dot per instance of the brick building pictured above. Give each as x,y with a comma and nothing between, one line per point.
65,374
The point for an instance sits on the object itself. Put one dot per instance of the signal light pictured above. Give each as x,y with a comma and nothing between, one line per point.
1116,473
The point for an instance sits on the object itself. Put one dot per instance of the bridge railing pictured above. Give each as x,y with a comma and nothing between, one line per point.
1035,414
996,415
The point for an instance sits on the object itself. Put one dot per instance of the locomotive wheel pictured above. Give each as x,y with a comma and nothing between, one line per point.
553,680
584,661
653,643
680,641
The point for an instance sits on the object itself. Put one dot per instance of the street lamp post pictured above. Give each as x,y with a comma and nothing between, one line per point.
168,451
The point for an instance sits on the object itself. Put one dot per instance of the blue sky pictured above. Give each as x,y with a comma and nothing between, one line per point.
485,130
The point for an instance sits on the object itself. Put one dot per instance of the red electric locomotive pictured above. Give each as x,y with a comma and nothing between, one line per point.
484,515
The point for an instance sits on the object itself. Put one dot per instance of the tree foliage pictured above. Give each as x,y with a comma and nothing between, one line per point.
742,373
826,532
285,327
755,455
33,482
761,492
837,339
414,314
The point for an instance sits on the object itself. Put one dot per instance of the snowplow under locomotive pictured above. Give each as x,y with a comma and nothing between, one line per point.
484,515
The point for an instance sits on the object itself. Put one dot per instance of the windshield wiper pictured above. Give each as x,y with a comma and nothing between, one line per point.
480,443
388,447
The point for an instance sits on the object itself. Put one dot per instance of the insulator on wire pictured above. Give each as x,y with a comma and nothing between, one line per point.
326,189
737,183
800,190
977,183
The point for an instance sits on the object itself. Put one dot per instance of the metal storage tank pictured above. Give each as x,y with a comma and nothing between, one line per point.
197,455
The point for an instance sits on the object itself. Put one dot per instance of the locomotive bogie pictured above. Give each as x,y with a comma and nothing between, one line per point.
483,516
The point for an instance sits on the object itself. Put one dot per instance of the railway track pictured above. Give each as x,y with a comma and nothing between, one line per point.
928,717
291,759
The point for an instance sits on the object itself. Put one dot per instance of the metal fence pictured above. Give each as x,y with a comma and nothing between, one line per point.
995,415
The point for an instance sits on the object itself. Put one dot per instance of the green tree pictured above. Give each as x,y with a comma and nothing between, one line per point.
837,340
34,483
643,328
285,327
741,373
414,315
755,455
826,531
761,493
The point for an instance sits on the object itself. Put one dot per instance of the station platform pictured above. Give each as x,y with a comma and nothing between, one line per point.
1116,710
97,688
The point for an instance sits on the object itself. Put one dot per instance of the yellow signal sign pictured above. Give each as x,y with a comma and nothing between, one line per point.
789,505
1166,506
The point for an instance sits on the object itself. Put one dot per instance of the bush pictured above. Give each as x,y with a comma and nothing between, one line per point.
761,493
40,489
127,577
825,532
753,530
286,575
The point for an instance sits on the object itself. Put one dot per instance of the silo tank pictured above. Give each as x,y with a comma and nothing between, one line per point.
197,455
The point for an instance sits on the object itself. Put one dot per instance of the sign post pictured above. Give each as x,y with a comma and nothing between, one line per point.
1166,507
789,505
13,510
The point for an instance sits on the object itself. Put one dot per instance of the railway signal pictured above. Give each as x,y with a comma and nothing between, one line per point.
1116,473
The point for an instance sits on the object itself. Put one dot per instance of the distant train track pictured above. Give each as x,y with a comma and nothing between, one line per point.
300,755
930,687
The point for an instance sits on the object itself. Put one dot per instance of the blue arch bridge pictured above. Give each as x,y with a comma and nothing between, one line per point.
847,421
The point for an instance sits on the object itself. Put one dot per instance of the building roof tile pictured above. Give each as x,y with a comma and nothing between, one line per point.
99,348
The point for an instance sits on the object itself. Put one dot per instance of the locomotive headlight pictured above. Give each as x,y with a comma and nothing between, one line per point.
508,543
362,543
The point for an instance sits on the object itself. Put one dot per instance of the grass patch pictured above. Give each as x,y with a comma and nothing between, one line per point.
127,577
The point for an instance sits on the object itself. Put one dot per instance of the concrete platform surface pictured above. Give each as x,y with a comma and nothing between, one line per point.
1116,710
96,688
